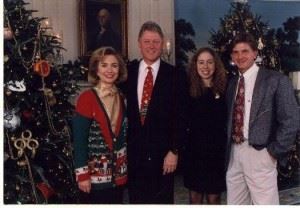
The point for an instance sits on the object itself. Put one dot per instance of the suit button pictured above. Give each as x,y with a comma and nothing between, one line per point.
149,158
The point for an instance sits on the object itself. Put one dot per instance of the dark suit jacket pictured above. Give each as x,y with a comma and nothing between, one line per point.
164,126
274,115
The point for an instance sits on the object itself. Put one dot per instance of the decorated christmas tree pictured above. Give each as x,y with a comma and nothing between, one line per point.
38,164
241,19
289,52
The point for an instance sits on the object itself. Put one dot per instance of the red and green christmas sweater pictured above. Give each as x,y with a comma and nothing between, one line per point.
99,154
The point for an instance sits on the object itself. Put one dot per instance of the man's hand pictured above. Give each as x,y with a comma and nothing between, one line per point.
85,186
170,163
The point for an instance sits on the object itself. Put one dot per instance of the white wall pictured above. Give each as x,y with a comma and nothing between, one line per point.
139,11
64,15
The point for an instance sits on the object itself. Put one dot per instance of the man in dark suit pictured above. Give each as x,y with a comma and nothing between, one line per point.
262,123
155,101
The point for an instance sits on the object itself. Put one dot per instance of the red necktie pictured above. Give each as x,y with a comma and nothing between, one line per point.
238,113
146,97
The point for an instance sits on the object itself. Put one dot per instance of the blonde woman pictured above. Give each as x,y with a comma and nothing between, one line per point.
99,129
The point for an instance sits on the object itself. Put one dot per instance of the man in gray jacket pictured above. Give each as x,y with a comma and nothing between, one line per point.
263,119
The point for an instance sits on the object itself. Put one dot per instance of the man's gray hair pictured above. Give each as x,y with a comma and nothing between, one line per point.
151,26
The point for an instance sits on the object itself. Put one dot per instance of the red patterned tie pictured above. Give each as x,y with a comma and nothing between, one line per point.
146,97
238,113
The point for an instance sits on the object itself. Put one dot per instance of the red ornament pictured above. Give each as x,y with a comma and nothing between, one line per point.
42,67
27,114
45,189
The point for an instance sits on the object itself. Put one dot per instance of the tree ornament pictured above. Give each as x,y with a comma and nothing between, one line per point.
54,84
22,163
26,142
273,61
11,120
70,72
8,92
37,57
8,33
258,59
16,86
42,68
45,189
260,45
17,32
27,114
6,58
50,96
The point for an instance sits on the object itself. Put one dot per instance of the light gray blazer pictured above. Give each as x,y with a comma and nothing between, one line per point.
274,114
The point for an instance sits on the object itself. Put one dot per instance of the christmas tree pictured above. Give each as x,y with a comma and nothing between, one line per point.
37,142
289,51
241,19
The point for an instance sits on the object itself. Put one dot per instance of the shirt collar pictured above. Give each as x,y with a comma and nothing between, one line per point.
154,66
251,71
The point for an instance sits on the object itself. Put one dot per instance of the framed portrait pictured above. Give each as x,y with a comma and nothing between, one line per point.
103,23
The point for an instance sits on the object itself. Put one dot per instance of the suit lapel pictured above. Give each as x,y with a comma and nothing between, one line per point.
258,94
134,71
135,83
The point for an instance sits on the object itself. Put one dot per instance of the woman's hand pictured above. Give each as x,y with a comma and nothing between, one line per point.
85,186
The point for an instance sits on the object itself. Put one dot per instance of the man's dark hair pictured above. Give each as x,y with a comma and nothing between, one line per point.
244,38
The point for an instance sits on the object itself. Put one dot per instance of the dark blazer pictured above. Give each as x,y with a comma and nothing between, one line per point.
164,126
274,115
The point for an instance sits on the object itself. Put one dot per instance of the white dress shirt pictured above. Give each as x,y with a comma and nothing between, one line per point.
250,78
142,76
